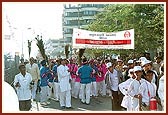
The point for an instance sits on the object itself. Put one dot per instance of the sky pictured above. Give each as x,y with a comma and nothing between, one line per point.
26,20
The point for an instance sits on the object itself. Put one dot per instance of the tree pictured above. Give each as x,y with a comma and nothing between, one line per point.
29,47
40,45
146,19
81,52
67,50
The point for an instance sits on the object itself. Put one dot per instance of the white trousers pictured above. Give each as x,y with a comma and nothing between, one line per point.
50,89
85,91
44,92
65,98
72,86
77,90
101,88
56,90
33,90
135,104
93,89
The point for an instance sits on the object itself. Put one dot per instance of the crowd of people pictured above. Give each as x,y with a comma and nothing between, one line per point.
131,85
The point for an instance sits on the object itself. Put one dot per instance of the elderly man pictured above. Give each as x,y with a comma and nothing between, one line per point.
63,79
33,69
113,78
22,84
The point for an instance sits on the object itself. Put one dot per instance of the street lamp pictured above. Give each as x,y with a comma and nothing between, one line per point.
22,55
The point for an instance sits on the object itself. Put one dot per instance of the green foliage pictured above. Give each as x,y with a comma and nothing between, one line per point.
40,45
146,19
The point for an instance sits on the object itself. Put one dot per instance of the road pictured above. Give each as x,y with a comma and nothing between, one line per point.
96,104
100,104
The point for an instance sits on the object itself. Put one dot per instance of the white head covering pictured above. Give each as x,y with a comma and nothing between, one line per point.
137,68
130,61
125,66
142,59
109,64
145,62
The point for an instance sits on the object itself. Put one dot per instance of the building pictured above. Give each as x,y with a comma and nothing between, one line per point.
78,16
55,48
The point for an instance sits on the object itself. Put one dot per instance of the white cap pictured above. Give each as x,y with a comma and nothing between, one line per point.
125,66
130,61
142,59
145,62
109,64
137,68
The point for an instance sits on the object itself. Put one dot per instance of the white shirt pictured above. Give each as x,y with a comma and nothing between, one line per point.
123,87
63,78
114,80
134,87
134,90
10,102
23,92
33,70
147,90
154,79
161,88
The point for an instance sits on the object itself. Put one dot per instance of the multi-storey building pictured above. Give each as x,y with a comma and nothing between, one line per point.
78,16
55,47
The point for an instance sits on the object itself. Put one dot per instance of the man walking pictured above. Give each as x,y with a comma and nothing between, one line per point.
85,72
63,79
113,80
22,84
33,69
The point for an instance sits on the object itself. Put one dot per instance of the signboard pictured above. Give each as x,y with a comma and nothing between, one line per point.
103,40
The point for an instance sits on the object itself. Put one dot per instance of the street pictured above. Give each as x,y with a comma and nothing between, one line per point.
96,104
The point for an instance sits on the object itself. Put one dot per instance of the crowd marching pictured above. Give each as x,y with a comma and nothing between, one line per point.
132,84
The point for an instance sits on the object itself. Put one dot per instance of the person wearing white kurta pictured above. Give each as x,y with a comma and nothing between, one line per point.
161,91
33,69
145,89
77,87
133,89
123,87
22,84
161,87
146,65
63,79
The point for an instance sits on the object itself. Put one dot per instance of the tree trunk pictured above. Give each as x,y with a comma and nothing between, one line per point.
81,52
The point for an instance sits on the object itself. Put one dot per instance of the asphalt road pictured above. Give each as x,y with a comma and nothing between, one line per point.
96,104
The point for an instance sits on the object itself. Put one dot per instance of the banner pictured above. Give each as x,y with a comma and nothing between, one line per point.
103,40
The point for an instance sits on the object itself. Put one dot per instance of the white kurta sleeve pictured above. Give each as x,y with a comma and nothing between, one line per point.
131,90
161,88
122,88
